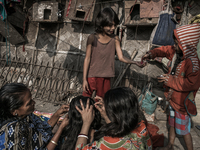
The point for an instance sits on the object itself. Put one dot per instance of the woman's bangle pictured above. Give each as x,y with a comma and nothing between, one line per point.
54,142
83,135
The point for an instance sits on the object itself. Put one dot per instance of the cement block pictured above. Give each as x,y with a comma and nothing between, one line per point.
160,115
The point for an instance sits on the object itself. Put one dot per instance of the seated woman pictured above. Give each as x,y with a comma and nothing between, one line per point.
19,127
122,130
73,129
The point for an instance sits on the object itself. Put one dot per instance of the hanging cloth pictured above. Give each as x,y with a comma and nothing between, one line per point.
3,13
163,32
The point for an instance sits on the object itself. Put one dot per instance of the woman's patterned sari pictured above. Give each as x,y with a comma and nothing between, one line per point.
29,133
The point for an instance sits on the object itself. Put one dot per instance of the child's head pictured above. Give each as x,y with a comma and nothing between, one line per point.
75,116
75,122
177,48
106,21
121,105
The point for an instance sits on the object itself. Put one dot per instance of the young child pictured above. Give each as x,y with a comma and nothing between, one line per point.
182,81
100,54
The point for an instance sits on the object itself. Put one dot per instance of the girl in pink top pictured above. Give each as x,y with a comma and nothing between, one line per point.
100,54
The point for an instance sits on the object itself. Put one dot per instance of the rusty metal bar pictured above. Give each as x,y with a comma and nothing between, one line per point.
51,90
41,79
36,76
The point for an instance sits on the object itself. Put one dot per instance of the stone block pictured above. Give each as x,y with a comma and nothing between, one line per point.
160,115
150,118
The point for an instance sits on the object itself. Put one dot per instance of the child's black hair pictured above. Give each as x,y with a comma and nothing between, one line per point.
72,130
121,105
106,17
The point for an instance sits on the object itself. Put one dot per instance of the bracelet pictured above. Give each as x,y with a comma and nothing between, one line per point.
54,142
83,135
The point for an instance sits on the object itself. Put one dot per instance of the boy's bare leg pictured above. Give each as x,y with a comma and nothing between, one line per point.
188,141
172,136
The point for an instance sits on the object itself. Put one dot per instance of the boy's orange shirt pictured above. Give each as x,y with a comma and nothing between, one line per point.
181,88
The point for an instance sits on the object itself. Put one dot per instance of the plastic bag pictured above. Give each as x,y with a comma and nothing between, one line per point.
163,32
148,100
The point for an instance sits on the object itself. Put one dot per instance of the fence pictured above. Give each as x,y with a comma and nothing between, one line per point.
48,83
51,83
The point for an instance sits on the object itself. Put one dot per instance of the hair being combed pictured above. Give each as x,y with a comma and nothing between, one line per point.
121,106
106,17
75,122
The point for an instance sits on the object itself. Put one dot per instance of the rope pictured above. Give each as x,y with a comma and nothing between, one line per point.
68,8
121,30
87,15
130,12
24,28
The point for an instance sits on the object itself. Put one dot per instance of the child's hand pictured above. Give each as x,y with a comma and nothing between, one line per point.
140,64
101,108
85,87
86,113
162,78
62,110
65,121
145,57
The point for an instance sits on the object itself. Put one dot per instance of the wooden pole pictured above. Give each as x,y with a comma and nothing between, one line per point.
124,71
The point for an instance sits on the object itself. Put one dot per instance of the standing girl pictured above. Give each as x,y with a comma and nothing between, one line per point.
100,54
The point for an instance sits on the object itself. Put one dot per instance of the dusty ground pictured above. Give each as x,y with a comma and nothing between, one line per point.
179,142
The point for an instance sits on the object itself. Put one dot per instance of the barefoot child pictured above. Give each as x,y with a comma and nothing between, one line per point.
182,81
100,54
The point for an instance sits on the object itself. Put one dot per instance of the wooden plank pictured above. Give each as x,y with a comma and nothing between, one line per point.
124,71
150,9
14,36
17,18
129,4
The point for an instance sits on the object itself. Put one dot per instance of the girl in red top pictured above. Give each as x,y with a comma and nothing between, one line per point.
122,130
100,54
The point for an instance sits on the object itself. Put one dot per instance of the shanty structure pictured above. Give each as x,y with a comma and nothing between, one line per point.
43,43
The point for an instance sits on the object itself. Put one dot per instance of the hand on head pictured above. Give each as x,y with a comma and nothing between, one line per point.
101,108
87,113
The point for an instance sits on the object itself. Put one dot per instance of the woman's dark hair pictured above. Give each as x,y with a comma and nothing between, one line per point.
11,98
106,17
121,106
75,122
